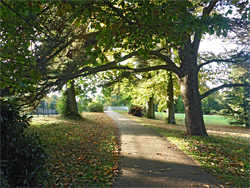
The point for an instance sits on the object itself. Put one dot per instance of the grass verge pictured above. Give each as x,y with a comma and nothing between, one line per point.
226,157
208,119
82,152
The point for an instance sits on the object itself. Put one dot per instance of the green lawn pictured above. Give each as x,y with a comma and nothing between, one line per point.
224,154
209,119
82,152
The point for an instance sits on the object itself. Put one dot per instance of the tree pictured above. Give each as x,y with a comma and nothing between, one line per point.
47,37
237,100
71,106
127,29
211,104
150,110
181,25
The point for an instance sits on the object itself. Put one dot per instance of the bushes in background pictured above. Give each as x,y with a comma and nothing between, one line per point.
136,111
95,107
22,155
61,105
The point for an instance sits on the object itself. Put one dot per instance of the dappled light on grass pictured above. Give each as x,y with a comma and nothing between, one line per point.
225,153
81,152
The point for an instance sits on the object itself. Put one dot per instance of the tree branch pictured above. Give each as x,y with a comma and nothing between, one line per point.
146,69
118,11
240,57
93,70
206,11
221,87
214,60
19,15
171,64
86,36
209,8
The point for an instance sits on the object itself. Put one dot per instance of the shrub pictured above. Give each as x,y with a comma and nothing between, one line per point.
95,107
61,104
22,155
136,111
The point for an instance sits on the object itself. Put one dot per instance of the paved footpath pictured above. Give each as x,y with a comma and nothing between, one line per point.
149,160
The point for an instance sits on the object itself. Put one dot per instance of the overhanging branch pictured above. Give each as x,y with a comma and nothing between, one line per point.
221,87
146,69
214,60
209,8
171,65
237,58
20,16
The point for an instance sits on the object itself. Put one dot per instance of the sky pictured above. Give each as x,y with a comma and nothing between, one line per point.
215,45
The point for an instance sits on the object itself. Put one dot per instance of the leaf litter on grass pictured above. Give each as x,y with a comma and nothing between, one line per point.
81,152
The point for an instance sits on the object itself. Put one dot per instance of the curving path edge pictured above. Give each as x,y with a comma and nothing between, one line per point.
148,160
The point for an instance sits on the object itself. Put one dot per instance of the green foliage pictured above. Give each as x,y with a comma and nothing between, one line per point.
22,154
95,107
118,98
237,105
16,38
211,104
61,104
82,105
237,100
179,106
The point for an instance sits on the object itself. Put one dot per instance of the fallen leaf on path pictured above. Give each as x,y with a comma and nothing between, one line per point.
194,172
220,185
168,169
159,154
206,186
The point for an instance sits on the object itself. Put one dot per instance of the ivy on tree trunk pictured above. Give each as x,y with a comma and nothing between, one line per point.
170,100
150,112
71,106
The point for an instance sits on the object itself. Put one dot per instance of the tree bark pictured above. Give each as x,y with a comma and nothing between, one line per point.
246,107
71,106
190,90
170,100
192,106
150,112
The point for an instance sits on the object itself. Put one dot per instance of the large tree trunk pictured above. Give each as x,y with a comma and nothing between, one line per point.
71,106
170,100
190,91
150,112
192,105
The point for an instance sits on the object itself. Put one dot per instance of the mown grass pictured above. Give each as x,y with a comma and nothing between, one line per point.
82,152
208,119
224,154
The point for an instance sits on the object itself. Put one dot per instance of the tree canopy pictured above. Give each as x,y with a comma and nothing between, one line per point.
52,42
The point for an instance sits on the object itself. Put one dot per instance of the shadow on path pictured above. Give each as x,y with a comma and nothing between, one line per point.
148,160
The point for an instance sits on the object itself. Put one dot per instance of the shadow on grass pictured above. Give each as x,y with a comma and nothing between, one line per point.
220,156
